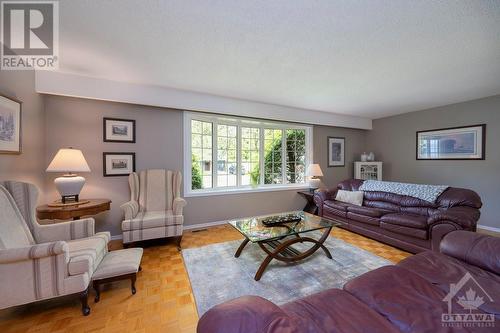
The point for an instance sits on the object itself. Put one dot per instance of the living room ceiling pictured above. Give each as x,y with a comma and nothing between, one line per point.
364,58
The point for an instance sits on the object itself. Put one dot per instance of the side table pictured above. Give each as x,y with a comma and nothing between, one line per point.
310,206
75,212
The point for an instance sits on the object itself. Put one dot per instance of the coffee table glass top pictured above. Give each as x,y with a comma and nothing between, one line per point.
253,228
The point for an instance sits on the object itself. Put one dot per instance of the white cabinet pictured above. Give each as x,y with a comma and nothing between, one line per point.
368,170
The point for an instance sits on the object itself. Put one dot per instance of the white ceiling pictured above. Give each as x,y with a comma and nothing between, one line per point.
364,58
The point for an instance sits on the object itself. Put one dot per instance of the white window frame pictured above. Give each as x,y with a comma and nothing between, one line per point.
239,122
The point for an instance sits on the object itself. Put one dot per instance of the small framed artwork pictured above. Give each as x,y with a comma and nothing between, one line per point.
118,164
10,125
119,130
456,143
336,152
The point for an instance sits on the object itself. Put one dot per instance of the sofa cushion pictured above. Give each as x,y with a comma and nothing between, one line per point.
85,254
405,220
441,270
408,231
365,211
332,212
335,308
351,197
405,299
152,219
339,205
363,218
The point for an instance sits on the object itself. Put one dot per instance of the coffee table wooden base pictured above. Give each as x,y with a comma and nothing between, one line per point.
282,250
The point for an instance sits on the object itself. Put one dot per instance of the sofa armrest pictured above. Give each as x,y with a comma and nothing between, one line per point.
466,217
131,209
247,314
321,196
178,205
33,252
65,230
473,248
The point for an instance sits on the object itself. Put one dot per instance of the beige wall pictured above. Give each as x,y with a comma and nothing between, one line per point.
30,165
78,123
393,139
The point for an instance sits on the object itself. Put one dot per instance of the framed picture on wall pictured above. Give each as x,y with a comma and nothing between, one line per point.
336,152
10,125
119,130
456,143
118,164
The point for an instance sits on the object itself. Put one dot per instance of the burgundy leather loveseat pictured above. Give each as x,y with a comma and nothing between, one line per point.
406,222
411,296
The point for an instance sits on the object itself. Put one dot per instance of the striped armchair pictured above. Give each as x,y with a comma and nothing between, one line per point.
43,261
155,207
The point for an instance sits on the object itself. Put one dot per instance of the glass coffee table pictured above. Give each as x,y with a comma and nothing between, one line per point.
276,240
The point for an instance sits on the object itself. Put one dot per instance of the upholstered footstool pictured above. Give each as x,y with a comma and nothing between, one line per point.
117,265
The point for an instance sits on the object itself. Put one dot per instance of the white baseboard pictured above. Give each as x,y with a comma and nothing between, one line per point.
117,237
484,227
187,227
204,225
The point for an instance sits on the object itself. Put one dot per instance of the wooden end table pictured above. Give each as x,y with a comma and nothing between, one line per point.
75,212
310,206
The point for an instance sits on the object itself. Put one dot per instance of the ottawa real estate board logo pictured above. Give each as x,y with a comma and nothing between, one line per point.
29,35
466,301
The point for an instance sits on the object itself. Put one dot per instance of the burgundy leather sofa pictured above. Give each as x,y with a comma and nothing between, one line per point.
407,297
409,223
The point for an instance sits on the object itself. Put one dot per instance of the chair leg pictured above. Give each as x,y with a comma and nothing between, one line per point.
97,289
178,240
132,280
84,300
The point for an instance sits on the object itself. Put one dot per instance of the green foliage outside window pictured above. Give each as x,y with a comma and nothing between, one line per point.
196,180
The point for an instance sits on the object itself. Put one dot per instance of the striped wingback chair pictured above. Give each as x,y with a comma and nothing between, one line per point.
43,261
155,207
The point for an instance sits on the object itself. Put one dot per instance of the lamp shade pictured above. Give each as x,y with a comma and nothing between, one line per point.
68,160
314,170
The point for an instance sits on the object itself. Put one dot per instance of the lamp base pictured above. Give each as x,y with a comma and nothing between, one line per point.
314,183
69,186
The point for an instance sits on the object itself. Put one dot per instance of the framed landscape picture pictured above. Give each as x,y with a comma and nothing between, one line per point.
10,125
119,130
457,143
118,164
336,152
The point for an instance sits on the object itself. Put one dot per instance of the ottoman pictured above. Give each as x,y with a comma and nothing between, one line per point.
117,265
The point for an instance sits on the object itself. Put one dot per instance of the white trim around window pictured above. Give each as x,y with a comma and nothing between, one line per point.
239,123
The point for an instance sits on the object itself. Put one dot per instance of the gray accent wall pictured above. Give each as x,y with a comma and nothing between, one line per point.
75,122
30,165
393,139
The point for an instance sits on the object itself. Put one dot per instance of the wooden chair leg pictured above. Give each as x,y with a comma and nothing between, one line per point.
133,278
84,300
97,289
178,240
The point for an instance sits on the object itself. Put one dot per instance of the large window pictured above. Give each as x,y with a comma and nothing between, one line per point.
229,154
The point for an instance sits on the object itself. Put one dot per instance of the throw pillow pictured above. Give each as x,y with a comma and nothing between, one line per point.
352,197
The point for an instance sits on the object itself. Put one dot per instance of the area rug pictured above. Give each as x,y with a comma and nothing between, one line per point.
217,276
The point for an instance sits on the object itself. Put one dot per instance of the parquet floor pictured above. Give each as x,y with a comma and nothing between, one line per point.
164,301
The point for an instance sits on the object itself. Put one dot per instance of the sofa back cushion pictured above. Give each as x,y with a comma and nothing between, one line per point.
13,230
451,197
455,196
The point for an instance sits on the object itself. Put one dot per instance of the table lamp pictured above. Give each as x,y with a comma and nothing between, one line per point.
313,171
69,161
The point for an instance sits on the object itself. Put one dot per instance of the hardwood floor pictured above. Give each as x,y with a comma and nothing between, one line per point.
164,301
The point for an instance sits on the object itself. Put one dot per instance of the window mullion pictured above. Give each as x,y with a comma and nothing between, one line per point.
214,155
283,156
261,156
238,156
